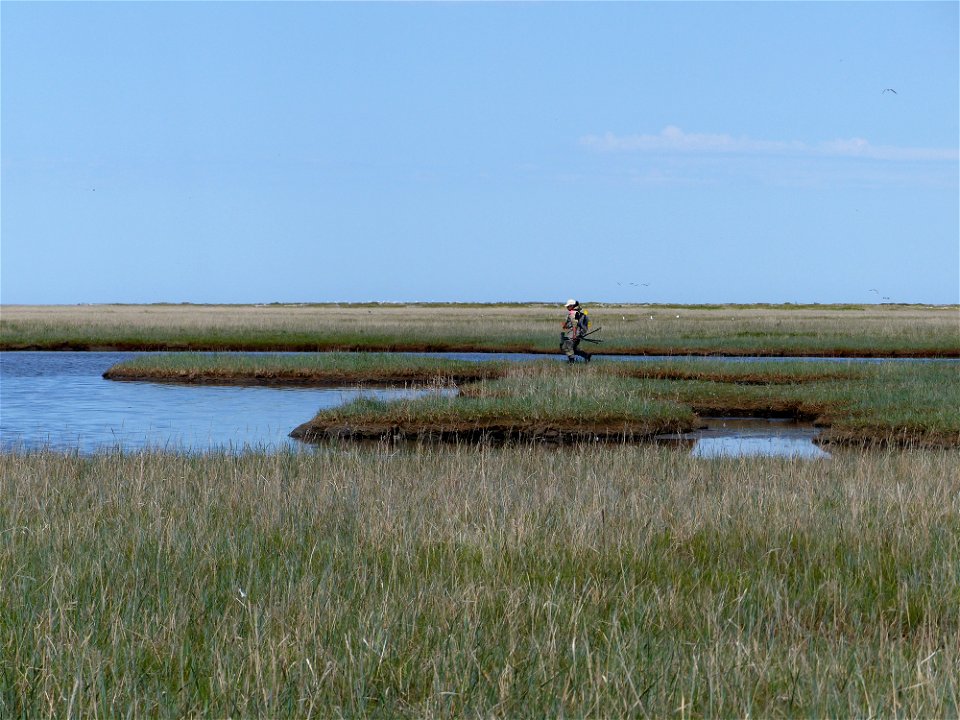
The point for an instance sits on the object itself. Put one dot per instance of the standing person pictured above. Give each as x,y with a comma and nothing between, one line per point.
574,328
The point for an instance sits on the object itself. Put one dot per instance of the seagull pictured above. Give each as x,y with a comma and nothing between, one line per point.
886,90
874,290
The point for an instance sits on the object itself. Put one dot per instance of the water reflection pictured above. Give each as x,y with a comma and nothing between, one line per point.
60,401
751,437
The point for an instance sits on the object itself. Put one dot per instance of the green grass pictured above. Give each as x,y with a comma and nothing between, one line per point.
307,368
868,403
465,581
546,407
856,330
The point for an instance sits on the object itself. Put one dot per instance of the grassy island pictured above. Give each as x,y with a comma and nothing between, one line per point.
856,403
312,369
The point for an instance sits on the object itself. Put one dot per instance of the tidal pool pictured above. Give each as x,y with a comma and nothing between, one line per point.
751,437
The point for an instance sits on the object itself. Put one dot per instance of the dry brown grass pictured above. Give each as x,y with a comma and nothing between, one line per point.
790,330
308,316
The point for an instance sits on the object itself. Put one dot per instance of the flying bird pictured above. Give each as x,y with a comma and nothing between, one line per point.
886,90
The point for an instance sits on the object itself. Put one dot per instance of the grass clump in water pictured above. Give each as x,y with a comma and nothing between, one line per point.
864,404
539,400
872,403
332,368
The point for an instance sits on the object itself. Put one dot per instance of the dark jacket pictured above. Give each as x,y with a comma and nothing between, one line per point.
576,324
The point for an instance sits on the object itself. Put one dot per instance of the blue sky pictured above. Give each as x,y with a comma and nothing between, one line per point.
637,152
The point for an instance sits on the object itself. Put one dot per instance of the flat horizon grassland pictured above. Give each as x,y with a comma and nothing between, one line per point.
478,581
855,330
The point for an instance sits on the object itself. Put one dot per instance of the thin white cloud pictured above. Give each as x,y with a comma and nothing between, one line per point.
674,140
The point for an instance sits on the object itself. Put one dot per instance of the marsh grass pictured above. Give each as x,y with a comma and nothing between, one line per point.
863,404
306,368
534,327
472,581
533,400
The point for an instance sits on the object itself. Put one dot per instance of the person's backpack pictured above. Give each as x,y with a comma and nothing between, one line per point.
583,322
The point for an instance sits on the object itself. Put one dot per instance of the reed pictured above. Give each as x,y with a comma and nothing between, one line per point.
854,330
474,581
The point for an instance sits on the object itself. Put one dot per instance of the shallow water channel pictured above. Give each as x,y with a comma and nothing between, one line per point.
59,400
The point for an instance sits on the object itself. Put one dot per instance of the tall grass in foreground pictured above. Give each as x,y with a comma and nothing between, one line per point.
479,581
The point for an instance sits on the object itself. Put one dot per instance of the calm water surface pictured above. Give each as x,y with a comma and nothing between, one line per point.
59,400
752,437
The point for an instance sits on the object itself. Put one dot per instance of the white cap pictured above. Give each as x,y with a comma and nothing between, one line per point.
570,302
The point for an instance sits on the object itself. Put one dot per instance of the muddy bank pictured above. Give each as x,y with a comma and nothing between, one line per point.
872,437
496,431
316,431
312,378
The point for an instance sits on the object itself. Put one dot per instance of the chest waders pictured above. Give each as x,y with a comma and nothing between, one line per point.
573,329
